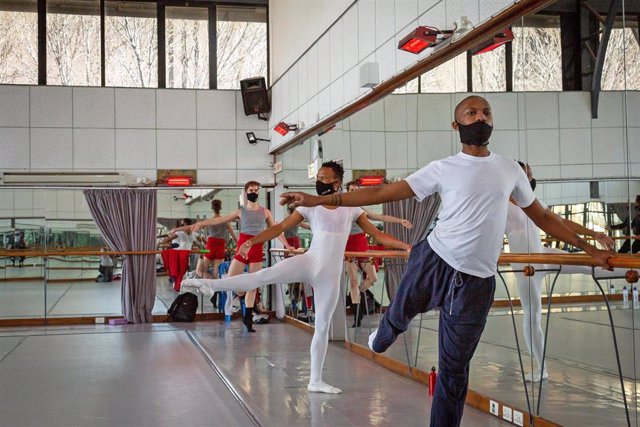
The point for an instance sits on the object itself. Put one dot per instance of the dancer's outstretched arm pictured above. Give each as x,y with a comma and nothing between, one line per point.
222,219
270,233
380,237
271,222
388,218
601,238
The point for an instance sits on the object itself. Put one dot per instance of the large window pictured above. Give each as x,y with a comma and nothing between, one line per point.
19,42
537,55
73,43
622,63
448,77
131,44
489,71
242,45
187,53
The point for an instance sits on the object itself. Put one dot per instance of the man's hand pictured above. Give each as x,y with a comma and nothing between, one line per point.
601,256
295,199
243,250
606,241
406,224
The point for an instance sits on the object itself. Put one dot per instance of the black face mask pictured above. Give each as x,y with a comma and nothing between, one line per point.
323,189
477,133
533,184
252,197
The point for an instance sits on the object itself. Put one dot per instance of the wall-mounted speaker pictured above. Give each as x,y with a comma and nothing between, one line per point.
254,96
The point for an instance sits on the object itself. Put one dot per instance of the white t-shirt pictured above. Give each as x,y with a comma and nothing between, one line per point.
522,233
474,192
185,240
330,226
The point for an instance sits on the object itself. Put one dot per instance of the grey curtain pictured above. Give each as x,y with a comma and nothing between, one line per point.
421,215
127,221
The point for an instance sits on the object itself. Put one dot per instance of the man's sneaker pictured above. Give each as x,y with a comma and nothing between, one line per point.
381,339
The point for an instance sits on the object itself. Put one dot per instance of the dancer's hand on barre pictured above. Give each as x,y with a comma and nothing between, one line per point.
600,256
604,240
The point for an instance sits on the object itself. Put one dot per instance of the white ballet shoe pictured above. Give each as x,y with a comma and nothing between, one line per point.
323,388
372,337
535,378
190,285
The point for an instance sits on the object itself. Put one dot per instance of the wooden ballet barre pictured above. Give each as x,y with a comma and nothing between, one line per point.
616,261
34,254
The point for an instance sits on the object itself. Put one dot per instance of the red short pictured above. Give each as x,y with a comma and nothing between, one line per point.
216,248
294,241
358,243
255,253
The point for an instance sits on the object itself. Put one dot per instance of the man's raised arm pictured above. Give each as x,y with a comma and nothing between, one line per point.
363,197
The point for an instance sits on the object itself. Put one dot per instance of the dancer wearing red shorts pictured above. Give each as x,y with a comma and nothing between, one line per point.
217,238
253,220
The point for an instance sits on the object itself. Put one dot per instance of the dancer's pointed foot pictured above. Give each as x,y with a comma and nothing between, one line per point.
323,388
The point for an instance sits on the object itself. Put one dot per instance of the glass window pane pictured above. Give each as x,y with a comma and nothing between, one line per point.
537,57
448,77
621,68
489,72
409,87
131,44
19,42
73,43
242,45
187,36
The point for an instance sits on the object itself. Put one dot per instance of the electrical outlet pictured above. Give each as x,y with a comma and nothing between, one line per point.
494,408
507,413
518,418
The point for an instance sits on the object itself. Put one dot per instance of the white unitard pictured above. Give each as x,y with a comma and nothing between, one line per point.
524,237
320,265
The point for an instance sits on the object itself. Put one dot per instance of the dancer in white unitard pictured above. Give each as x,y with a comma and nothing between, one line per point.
320,265
524,237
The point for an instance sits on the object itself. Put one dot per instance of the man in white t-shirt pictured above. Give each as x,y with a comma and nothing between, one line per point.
454,268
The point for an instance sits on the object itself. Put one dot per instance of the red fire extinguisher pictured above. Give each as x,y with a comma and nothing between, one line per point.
432,381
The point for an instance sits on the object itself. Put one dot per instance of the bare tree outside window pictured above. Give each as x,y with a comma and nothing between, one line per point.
131,45
73,46
446,78
19,46
187,40
489,71
622,63
242,45
537,59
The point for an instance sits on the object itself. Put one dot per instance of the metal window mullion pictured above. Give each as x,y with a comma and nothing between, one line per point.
103,78
508,65
42,42
162,52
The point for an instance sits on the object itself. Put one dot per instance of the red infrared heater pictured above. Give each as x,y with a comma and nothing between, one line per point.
284,128
422,38
368,181
498,40
178,181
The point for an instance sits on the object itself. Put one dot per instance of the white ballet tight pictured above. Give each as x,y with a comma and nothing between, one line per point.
530,291
310,267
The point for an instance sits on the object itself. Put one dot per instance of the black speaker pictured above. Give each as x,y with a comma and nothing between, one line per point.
254,96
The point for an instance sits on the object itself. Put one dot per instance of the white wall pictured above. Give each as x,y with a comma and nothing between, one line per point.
327,77
295,24
134,131
552,131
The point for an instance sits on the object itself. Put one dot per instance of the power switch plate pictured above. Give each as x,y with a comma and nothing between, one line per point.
494,408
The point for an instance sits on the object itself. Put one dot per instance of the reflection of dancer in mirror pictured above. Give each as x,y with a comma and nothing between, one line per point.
217,238
524,237
628,227
454,267
253,219
358,242
177,257
320,265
